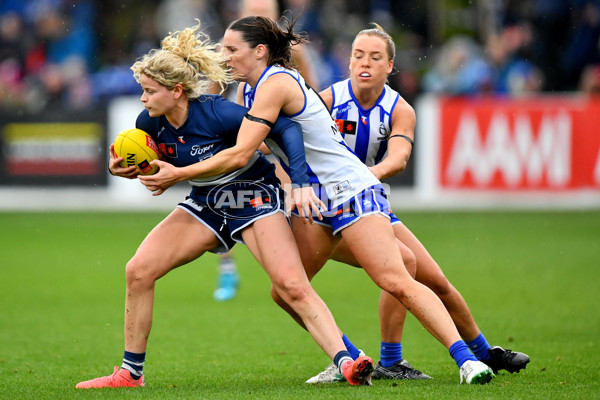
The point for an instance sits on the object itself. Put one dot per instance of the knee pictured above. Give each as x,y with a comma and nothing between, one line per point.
277,298
440,285
137,273
290,291
410,262
395,287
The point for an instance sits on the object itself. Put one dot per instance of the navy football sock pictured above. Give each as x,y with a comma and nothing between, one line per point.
340,358
134,363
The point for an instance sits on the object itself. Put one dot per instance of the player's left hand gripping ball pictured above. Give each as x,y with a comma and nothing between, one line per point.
137,148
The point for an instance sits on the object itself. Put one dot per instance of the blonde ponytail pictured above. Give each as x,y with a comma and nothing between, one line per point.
188,58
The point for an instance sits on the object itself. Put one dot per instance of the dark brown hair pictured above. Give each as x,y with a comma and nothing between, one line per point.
279,41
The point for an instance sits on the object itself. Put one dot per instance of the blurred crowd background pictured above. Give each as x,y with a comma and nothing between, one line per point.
76,54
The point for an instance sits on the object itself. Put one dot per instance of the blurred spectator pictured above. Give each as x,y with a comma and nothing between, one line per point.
590,80
459,69
14,44
68,35
514,74
335,62
304,58
176,15
50,69
310,21
583,40
76,54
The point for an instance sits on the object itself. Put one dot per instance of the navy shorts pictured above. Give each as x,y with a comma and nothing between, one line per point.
234,206
370,201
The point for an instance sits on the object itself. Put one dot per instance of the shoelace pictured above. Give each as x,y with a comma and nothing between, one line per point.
114,374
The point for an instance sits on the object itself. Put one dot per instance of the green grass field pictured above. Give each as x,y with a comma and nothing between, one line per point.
530,278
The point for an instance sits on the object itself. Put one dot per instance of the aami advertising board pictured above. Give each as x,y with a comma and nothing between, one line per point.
539,144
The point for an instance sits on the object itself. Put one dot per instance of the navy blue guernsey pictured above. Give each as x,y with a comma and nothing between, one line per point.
212,125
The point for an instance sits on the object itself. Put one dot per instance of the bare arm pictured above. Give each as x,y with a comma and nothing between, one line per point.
249,139
280,93
399,148
271,97
224,161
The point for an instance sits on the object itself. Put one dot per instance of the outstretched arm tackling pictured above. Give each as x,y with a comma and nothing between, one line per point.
399,147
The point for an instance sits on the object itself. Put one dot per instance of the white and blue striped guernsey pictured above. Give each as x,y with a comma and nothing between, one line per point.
334,170
366,132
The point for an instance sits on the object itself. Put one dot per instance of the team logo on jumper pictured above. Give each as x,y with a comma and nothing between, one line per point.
346,127
242,199
168,149
384,134
343,109
200,150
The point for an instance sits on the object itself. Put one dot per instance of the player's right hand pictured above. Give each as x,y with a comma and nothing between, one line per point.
115,168
307,204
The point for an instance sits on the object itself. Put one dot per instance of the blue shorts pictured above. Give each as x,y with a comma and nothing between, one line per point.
393,219
234,206
370,201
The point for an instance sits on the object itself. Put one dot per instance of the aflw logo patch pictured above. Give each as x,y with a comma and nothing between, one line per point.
346,127
168,149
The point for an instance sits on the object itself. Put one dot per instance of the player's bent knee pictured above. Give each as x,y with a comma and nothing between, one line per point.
137,273
410,263
440,285
292,292
276,298
396,287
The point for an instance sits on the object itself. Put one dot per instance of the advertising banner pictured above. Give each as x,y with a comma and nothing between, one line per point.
51,152
538,144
